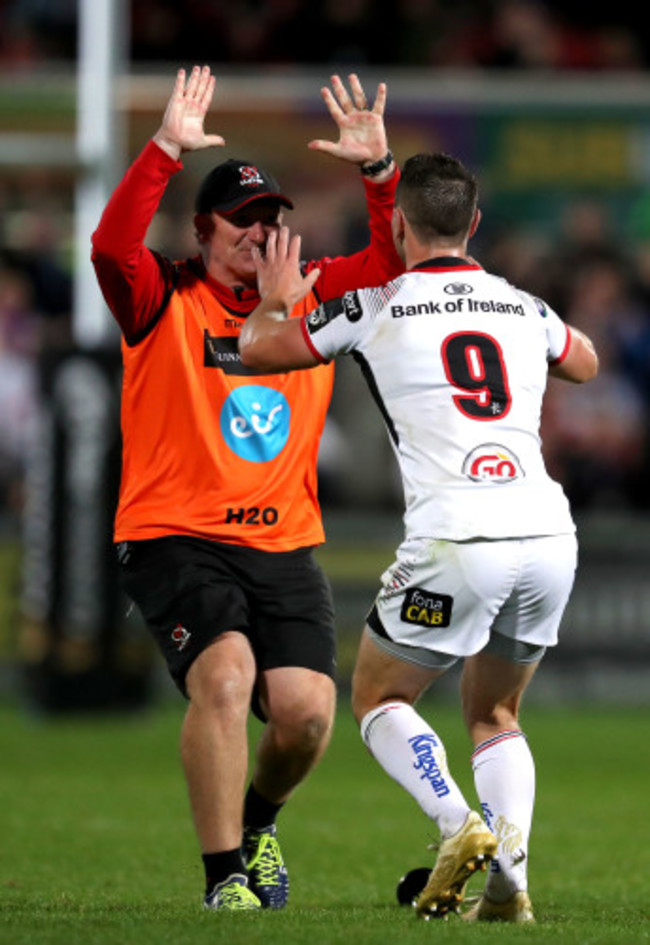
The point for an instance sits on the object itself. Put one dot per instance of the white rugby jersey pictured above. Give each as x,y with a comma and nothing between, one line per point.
457,360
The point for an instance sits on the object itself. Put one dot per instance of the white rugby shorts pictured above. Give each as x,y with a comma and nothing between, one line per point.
444,600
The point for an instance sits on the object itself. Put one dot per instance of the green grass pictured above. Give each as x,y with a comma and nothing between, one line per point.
96,845
9,595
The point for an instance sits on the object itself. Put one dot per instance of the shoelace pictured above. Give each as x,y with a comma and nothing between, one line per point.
267,861
234,894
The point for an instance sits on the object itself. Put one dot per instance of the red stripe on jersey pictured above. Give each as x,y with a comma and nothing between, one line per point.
308,341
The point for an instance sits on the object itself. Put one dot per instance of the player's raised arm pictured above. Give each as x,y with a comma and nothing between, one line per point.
581,361
131,278
362,132
182,127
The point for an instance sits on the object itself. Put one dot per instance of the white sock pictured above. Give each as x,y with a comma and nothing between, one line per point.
504,775
411,753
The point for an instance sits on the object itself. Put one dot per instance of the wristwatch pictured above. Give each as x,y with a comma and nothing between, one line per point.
371,170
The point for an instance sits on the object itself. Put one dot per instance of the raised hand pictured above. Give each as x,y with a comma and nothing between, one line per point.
279,278
362,135
182,125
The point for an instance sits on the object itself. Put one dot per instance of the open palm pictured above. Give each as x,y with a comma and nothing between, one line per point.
362,133
182,127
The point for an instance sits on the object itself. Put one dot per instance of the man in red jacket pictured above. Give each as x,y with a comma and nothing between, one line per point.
218,509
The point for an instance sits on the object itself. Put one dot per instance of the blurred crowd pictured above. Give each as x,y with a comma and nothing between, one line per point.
593,273
474,34
35,317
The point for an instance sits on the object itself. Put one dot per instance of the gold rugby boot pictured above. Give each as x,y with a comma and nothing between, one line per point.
459,857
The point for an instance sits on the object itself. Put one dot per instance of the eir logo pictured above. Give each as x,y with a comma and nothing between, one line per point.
492,463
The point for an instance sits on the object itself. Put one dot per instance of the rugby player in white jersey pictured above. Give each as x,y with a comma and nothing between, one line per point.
457,360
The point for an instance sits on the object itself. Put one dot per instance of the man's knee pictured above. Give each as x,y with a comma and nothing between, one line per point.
303,734
314,728
501,716
223,675
302,716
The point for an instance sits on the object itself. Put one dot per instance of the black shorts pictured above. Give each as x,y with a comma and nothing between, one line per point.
190,590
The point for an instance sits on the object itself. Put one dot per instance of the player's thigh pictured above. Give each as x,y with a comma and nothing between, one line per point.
492,688
533,611
188,593
293,614
441,597
380,675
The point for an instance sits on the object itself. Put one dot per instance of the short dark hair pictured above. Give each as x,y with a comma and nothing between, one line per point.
438,195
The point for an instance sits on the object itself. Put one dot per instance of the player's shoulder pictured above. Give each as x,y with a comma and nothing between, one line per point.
375,302
533,302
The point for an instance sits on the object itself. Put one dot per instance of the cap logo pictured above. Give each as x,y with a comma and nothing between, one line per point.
249,176
180,636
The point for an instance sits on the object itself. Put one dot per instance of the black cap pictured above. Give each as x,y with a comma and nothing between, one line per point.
233,184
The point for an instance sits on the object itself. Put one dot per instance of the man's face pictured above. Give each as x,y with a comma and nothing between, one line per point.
227,246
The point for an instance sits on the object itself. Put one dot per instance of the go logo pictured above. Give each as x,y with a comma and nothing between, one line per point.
255,422
493,463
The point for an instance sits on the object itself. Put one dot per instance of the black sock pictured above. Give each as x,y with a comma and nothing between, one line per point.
258,812
219,866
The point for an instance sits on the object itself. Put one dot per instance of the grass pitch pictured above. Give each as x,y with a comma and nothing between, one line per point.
96,845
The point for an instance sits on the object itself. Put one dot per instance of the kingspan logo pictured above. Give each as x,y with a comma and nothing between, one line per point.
492,463
424,747
458,288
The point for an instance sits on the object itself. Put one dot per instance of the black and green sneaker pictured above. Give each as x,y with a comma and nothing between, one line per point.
233,895
267,874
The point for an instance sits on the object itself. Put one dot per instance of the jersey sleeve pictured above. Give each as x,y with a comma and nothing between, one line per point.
379,262
133,279
558,335
337,326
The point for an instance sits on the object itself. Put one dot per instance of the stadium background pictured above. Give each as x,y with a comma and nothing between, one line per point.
552,113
